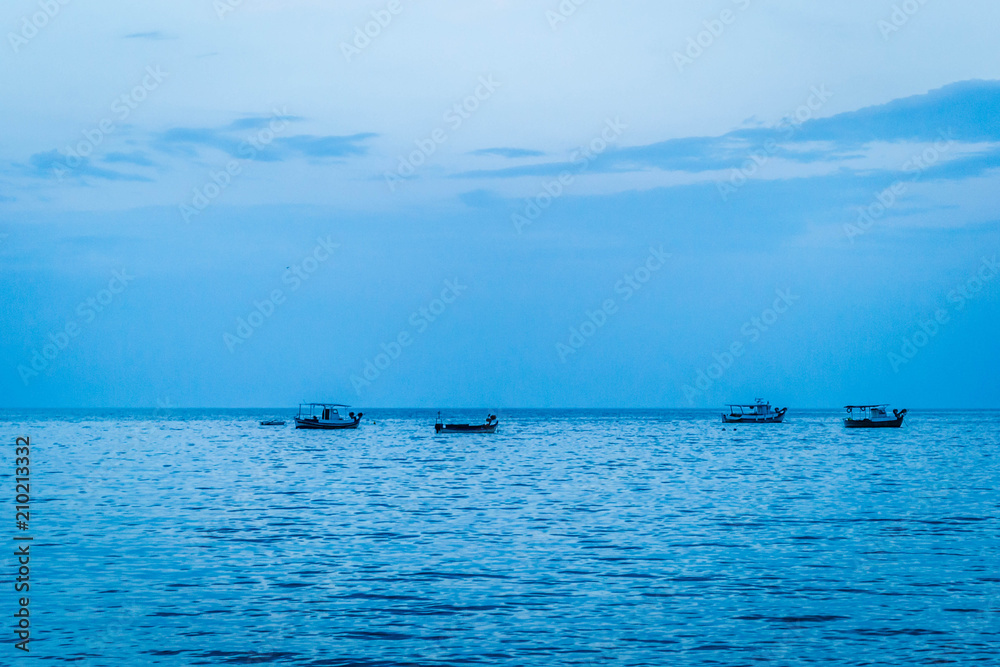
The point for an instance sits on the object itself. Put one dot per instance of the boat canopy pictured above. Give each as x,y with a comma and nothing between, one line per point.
324,411
866,407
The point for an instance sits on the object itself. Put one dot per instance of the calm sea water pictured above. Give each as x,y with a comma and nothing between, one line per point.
569,538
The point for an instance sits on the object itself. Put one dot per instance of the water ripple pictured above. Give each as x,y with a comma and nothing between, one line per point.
620,538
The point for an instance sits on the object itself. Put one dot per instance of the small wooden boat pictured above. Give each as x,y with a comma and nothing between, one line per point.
326,416
872,416
760,412
273,422
489,427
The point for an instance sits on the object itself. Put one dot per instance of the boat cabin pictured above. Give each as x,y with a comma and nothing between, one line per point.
872,411
328,412
758,409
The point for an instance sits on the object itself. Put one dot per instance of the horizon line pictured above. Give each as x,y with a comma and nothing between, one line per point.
672,408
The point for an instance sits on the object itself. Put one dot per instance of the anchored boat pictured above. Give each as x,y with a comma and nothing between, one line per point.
489,427
273,422
326,416
872,416
760,412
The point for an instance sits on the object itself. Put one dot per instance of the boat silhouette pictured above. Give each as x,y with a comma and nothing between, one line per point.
873,416
326,416
759,412
490,426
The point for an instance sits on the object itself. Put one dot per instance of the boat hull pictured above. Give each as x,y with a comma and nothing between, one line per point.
325,426
465,428
774,418
726,419
868,423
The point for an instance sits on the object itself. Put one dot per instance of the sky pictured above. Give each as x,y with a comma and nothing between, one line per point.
500,204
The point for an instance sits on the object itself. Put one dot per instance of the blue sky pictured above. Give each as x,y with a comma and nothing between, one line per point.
499,204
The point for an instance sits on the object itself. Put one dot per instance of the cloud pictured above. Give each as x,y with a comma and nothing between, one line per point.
258,122
964,167
968,109
329,146
135,157
964,112
187,141
239,141
54,166
546,169
509,152
250,138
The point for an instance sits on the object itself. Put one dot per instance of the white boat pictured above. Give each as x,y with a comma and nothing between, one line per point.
760,412
872,416
326,416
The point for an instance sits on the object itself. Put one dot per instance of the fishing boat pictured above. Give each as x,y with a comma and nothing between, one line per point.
760,412
273,422
490,426
326,416
873,416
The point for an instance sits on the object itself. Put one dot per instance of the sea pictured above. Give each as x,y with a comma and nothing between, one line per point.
570,537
